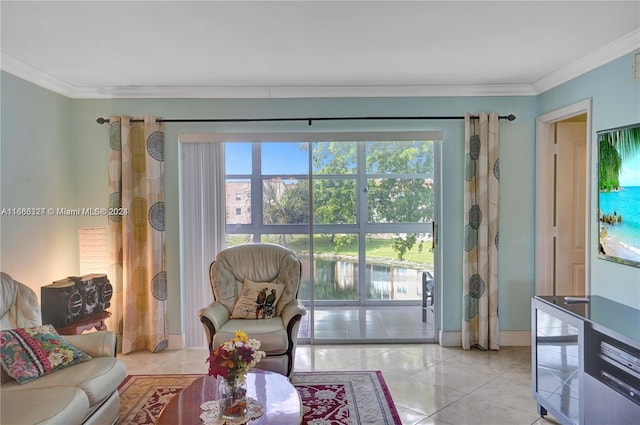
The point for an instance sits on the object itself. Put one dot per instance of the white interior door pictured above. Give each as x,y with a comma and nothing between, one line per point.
570,208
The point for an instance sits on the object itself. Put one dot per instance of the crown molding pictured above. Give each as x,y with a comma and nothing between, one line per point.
612,51
180,92
289,92
47,81
36,76
620,47
403,91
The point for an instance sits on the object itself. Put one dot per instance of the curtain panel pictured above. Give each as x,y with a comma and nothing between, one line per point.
203,218
480,258
137,238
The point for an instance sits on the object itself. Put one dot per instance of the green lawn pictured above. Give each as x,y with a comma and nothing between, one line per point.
381,250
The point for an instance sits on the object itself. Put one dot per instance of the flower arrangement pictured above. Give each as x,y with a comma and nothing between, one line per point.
233,359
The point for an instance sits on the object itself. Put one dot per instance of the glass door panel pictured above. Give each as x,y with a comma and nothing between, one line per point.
285,201
238,201
399,200
335,268
390,279
334,158
334,201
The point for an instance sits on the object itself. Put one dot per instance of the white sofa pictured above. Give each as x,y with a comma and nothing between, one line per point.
84,393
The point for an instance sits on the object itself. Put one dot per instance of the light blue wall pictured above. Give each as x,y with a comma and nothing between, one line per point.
616,102
37,171
517,171
53,154
87,144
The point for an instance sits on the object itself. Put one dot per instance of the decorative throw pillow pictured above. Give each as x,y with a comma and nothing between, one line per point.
29,353
258,300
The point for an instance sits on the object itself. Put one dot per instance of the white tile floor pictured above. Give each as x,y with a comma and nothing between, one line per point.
429,384
380,323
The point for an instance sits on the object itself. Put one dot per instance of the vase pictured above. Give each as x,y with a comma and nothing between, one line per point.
233,397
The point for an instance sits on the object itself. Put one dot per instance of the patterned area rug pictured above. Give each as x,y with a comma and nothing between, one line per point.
336,398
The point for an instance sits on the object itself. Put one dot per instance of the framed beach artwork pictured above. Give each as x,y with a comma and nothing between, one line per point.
619,195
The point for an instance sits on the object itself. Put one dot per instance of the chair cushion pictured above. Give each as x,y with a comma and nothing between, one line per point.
32,352
258,300
270,332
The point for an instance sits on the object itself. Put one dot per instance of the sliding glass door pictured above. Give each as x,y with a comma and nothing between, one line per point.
359,214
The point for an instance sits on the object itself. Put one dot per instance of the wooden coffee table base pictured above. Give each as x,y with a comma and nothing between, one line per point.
282,405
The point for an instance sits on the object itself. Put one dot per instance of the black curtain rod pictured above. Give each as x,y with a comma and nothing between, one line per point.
509,117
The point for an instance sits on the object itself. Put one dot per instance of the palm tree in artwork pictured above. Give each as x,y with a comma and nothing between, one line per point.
615,147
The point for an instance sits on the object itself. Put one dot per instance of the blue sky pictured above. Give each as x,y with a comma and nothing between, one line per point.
287,158
630,174
277,158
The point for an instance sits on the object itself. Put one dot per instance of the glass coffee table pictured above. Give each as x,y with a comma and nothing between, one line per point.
280,400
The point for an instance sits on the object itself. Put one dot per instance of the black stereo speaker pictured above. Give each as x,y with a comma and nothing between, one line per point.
61,303
76,297
104,290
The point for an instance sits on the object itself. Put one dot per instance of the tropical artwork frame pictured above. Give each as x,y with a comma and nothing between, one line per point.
619,195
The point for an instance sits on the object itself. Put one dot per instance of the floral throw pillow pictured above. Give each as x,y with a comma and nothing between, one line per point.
258,300
29,353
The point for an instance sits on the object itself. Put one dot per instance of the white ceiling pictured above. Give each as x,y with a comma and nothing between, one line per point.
91,49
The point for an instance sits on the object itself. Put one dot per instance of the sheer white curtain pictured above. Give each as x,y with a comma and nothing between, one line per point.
480,258
202,228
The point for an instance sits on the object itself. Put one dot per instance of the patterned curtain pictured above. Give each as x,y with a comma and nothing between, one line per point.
137,238
480,257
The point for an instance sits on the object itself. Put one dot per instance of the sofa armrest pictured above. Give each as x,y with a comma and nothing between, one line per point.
213,317
95,344
292,309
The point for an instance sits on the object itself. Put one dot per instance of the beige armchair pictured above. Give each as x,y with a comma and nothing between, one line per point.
271,270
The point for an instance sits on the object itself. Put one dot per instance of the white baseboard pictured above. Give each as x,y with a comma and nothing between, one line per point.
507,338
450,338
176,342
515,338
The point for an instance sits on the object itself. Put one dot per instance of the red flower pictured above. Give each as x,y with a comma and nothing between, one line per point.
215,366
217,370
